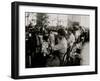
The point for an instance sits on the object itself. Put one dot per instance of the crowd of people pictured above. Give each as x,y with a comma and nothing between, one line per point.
47,48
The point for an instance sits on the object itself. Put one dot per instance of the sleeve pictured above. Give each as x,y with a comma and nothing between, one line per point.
57,47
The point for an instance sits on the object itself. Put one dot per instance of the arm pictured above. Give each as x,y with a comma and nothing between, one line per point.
57,47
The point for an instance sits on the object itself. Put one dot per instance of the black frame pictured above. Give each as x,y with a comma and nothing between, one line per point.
15,38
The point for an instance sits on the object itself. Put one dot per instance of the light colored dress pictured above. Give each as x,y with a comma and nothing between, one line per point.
45,46
71,39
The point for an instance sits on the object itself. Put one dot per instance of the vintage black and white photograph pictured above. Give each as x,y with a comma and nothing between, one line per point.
54,40
51,40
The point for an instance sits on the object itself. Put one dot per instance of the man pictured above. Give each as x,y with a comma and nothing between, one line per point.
61,47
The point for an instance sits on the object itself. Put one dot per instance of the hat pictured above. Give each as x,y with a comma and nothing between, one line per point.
62,32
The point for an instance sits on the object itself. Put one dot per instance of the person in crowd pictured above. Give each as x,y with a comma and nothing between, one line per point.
61,47
75,43
45,45
51,38
71,39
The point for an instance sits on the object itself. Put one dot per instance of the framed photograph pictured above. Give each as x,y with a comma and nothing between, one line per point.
50,40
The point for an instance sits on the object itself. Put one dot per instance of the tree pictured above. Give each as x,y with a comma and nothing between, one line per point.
42,21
